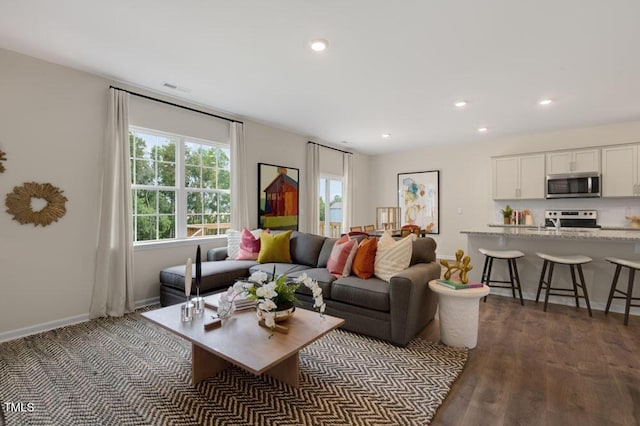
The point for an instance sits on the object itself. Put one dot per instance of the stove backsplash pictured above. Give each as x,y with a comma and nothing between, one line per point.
611,212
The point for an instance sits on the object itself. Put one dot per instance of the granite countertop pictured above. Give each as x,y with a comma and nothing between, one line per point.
594,234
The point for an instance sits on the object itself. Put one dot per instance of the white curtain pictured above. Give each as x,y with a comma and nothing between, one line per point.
239,187
113,285
313,180
347,193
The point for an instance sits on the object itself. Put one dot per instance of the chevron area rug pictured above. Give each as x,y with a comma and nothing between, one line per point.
127,371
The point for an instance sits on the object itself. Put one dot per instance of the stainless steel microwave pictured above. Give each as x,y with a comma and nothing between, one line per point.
573,185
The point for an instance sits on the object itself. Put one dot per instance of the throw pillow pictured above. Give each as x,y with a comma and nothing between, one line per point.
392,256
363,262
275,248
233,243
341,257
250,244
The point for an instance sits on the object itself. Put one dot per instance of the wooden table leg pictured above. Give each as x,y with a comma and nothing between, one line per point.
287,371
204,364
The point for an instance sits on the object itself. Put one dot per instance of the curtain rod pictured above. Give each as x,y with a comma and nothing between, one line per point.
330,147
140,95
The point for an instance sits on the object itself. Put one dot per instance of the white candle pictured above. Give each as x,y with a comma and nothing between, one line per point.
187,278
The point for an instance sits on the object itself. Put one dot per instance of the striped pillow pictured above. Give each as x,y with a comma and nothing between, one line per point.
234,238
392,256
341,257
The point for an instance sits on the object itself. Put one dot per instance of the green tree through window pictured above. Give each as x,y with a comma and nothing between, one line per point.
180,187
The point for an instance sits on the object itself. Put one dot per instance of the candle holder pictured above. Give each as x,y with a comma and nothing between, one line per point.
198,303
187,312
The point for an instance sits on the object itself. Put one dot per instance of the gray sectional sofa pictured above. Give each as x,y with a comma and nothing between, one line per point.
394,311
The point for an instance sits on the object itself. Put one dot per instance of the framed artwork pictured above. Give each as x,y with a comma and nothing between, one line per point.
419,199
278,197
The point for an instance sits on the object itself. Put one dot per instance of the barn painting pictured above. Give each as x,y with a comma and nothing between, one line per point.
278,197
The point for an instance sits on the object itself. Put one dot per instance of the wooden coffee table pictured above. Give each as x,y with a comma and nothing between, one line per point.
242,342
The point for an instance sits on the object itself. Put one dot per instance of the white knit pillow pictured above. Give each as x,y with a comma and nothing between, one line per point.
392,256
234,238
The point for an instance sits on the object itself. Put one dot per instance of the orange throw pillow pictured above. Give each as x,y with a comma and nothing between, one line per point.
363,263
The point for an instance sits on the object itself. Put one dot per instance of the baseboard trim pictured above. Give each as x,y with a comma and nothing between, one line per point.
64,322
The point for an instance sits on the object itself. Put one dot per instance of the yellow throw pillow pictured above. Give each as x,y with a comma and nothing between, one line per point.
274,248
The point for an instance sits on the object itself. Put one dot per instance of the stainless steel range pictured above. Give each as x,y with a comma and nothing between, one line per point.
571,218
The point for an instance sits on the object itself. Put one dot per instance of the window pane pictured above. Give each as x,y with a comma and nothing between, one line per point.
209,178
224,203
166,174
210,201
145,228
192,177
166,150
145,172
146,201
194,202
167,227
223,158
166,202
192,154
224,179
209,155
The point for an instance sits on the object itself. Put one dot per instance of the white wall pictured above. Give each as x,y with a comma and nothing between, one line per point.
465,179
52,122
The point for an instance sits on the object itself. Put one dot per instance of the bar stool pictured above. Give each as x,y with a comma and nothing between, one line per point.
574,262
628,296
514,279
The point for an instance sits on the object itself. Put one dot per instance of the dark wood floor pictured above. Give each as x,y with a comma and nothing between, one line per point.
555,368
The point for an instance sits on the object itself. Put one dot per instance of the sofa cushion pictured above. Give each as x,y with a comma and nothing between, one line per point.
321,275
275,248
424,250
327,246
250,244
215,275
281,268
392,256
305,248
363,262
371,294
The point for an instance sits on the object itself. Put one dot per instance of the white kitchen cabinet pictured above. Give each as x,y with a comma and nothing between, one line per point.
620,171
519,177
575,161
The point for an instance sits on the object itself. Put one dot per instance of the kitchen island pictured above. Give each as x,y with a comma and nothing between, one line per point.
593,242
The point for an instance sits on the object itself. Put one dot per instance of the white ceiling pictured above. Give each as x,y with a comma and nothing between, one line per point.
391,67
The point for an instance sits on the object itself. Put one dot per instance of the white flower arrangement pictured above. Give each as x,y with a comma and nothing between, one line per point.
269,295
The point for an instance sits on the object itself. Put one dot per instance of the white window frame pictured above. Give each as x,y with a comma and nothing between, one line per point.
327,211
180,189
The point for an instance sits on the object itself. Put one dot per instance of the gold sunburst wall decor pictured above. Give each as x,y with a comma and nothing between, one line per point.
3,157
19,205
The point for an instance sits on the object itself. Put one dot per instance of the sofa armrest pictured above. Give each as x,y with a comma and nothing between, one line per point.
219,253
412,303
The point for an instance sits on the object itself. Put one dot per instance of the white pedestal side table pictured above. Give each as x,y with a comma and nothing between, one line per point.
458,312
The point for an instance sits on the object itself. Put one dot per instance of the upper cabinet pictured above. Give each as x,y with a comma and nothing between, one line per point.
576,161
518,177
620,171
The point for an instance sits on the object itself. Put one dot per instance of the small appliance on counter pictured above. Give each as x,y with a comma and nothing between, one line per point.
571,218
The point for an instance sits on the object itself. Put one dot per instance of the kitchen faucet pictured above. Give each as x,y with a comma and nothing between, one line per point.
556,222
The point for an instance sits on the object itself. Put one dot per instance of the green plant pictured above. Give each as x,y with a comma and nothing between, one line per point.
506,212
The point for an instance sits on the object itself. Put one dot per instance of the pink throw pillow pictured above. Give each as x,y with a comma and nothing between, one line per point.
249,244
341,257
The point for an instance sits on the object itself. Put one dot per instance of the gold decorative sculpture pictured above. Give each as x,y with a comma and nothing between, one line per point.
3,157
462,264
18,203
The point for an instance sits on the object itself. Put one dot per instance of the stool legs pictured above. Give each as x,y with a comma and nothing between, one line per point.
546,285
514,278
614,284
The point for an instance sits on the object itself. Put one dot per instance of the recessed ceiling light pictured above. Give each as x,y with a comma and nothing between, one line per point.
482,129
460,104
386,135
319,45
545,102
